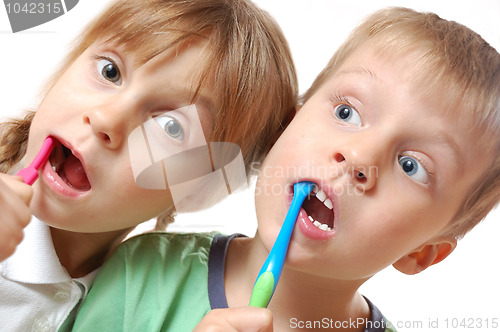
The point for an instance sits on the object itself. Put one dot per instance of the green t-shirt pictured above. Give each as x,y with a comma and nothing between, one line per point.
163,282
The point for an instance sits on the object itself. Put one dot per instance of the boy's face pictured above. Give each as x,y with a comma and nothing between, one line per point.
91,111
393,166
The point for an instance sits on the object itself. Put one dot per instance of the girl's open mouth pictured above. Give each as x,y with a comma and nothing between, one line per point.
68,167
319,210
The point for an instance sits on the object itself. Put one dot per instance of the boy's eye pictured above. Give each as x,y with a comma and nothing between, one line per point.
347,114
413,169
109,70
171,126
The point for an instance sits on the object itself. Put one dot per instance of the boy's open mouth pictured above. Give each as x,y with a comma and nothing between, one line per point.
319,209
69,167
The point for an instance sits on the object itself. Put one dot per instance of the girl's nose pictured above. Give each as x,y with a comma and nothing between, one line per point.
109,125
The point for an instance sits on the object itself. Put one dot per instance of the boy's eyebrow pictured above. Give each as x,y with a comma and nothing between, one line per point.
448,141
358,71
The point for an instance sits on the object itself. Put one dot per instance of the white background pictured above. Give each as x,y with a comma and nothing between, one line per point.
464,286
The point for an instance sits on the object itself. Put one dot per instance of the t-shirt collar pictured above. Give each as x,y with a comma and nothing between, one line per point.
35,260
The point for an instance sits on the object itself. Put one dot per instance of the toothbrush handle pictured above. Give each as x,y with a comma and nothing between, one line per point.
269,274
263,290
30,173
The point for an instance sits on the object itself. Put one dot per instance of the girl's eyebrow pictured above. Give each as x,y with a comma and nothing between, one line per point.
187,93
205,102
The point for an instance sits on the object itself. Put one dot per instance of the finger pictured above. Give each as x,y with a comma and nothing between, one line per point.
14,203
243,319
8,245
14,218
16,184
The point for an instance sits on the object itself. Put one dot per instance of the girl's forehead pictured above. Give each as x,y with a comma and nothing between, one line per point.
146,45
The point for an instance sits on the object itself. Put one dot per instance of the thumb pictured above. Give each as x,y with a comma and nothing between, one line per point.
251,319
241,319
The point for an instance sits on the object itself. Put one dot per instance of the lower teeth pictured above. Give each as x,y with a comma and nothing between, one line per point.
323,227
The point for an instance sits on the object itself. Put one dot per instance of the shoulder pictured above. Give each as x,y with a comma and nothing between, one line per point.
147,253
156,256
163,246
378,322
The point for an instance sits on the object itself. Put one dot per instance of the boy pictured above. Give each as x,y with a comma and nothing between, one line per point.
395,133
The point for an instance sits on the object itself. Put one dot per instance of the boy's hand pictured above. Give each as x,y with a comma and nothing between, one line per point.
15,197
244,319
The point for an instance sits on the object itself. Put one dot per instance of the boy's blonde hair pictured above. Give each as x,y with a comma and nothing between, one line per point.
248,62
453,60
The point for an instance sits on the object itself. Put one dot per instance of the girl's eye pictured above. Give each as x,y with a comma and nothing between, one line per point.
109,70
347,114
413,169
171,126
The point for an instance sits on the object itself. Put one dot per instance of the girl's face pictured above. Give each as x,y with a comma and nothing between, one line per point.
391,166
88,185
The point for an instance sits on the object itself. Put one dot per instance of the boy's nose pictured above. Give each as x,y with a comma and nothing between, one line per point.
361,170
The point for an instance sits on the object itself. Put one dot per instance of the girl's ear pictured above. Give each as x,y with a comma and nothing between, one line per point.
426,255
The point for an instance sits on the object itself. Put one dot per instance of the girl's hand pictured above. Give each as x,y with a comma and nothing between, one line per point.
243,319
15,197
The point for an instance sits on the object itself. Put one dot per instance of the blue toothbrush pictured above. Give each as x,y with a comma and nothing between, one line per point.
270,273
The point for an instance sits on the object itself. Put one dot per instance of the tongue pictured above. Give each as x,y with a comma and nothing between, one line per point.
75,174
318,211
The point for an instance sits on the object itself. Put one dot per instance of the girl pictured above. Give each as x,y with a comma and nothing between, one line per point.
137,61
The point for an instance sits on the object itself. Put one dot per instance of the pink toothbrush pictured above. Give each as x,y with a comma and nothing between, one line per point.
30,173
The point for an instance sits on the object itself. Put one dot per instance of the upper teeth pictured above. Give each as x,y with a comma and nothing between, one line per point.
321,195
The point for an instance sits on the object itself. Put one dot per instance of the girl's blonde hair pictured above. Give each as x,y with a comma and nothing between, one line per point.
248,64
453,60
249,61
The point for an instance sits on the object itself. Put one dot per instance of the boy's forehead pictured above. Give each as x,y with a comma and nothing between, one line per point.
440,102
377,61
408,68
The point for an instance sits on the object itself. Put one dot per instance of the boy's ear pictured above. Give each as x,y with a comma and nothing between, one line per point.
426,255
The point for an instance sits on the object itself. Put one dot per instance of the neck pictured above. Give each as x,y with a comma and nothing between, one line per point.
304,298
82,253
299,297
